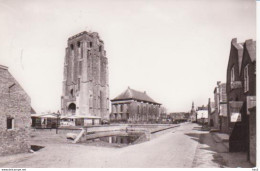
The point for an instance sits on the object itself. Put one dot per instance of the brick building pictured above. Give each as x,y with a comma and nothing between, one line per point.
211,113
219,115
134,107
85,84
202,115
241,92
248,77
15,115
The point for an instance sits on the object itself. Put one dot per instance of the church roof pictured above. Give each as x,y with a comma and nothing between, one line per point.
134,94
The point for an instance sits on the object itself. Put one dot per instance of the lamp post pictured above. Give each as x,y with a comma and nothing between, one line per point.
57,124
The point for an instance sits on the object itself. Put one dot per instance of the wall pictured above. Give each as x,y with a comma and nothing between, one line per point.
252,136
14,103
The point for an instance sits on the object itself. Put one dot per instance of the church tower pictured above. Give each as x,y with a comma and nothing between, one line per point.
85,84
192,113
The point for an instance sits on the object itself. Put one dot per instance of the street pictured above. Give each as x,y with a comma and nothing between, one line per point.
185,146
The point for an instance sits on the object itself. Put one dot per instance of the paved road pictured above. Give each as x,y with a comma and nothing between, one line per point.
182,147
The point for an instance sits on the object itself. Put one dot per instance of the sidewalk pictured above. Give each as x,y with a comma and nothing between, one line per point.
232,159
221,138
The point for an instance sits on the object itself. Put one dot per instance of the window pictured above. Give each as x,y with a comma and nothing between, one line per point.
80,67
78,44
100,48
246,79
90,100
81,52
232,74
10,123
121,108
108,103
90,44
71,93
78,84
71,46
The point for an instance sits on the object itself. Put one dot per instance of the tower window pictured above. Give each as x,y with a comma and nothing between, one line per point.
71,93
78,44
100,48
71,46
80,67
79,84
90,44
10,123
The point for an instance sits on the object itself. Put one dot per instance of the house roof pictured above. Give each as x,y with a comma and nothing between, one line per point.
250,45
240,48
3,67
134,94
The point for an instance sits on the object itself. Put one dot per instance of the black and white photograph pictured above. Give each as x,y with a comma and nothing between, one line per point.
128,84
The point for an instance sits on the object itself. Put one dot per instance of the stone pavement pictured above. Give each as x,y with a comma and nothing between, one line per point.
185,146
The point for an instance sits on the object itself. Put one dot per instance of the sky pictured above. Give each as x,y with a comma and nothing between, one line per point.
174,50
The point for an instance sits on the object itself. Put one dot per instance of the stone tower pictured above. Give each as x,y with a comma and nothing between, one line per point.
85,84
192,113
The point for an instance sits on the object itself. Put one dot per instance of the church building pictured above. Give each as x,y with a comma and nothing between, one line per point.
134,106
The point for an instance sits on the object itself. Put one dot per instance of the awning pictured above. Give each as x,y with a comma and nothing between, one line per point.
80,117
44,115
235,107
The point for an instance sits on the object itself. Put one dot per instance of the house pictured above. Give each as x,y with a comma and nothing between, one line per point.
134,106
211,113
218,116
202,115
15,120
248,77
178,117
241,96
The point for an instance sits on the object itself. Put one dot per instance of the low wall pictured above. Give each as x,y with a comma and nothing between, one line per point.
103,130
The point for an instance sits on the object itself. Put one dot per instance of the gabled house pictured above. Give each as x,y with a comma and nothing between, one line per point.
237,121
218,117
15,115
248,77
241,92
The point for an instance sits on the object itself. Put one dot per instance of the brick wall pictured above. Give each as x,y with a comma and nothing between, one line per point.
14,103
252,136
